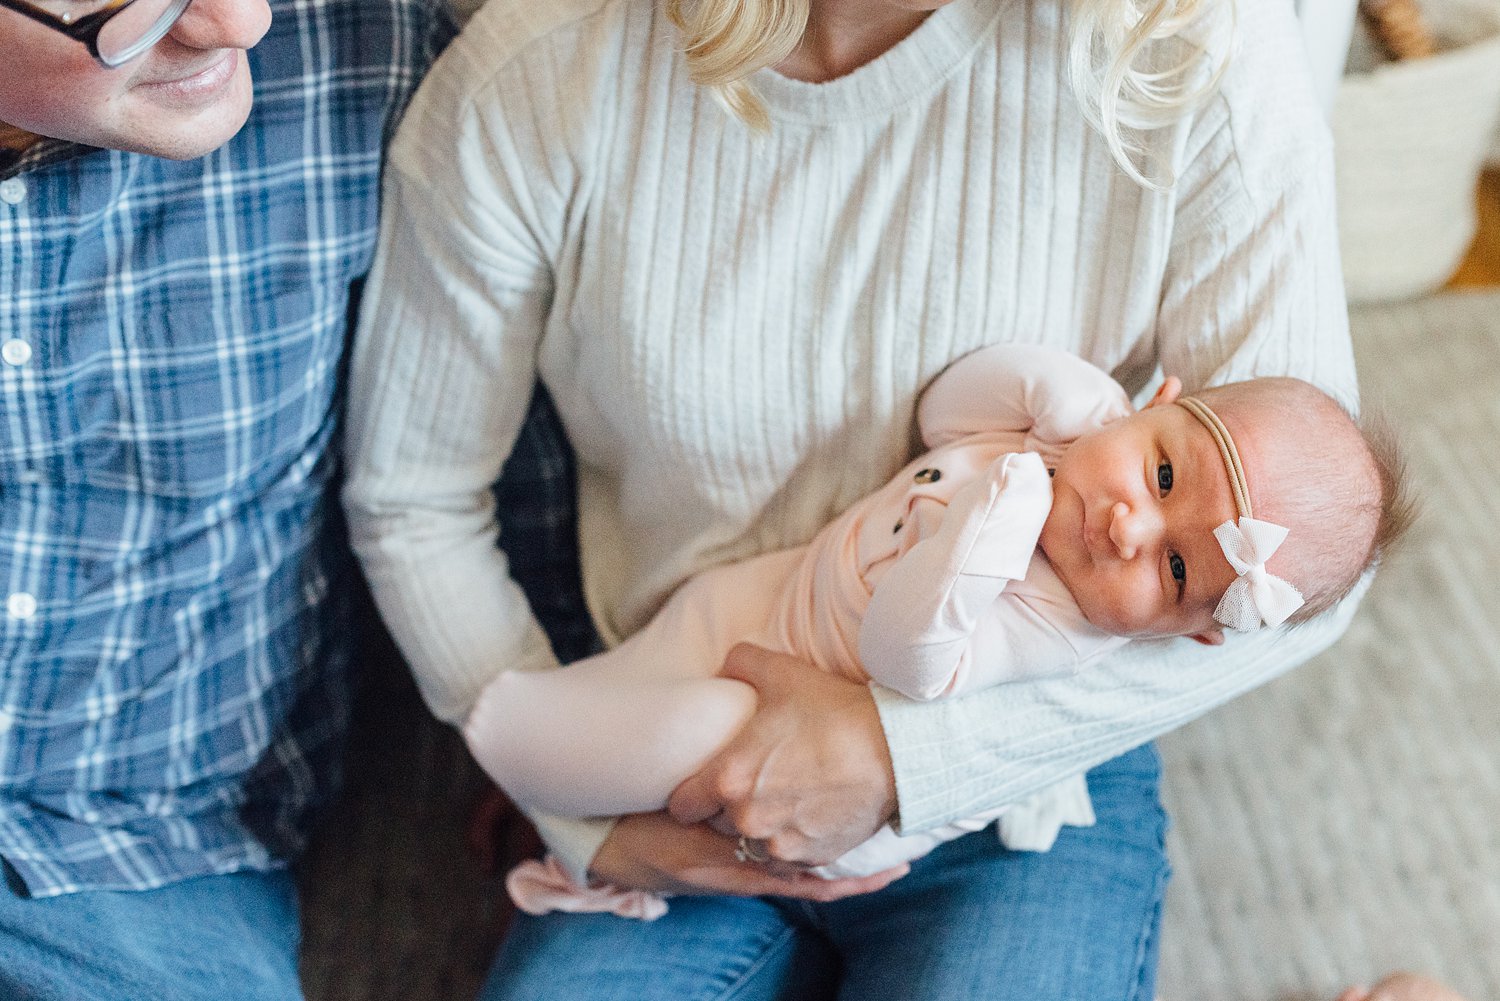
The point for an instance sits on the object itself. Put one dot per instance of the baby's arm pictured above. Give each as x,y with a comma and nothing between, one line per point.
1053,395
920,633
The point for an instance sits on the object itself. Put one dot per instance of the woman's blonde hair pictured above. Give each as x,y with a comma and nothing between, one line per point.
726,41
1132,68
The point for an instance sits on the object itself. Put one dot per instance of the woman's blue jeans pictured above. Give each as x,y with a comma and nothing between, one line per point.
971,921
1078,923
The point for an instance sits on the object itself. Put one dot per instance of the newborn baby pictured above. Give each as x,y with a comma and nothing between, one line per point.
1047,524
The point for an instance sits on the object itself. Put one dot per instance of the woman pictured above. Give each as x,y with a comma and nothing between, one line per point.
735,269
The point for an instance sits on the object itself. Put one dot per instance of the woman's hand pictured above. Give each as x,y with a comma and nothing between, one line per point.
809,774
651,851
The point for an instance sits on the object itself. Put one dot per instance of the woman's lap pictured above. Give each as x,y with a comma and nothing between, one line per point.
704,949
975,921
972,920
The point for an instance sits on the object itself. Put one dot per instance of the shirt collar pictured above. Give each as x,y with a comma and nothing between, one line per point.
42,153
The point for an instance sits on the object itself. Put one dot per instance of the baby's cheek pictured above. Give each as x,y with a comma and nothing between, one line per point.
1109,607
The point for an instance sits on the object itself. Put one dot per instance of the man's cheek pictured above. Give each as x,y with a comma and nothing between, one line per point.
61,93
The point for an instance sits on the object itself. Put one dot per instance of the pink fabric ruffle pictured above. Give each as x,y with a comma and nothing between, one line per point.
540,887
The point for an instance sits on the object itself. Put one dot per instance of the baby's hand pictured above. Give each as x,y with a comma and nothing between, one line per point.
1402,987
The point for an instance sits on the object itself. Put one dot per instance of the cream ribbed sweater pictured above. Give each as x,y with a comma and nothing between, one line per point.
735,326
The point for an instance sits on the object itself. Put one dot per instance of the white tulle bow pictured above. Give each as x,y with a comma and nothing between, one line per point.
1256,596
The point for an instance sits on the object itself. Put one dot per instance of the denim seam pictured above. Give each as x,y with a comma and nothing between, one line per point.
772,947
1152,924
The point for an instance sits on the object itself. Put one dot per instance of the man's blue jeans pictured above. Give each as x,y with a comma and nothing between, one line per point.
971,921
208,939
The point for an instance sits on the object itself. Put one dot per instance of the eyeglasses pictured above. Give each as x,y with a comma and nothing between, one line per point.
115,32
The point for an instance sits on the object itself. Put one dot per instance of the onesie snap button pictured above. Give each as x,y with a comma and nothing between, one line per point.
928,475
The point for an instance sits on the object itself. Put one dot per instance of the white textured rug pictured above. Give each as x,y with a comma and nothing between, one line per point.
1345,820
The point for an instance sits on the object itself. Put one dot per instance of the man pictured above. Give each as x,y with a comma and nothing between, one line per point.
175,277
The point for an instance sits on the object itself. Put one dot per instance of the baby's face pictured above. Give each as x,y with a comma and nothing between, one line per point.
1130,532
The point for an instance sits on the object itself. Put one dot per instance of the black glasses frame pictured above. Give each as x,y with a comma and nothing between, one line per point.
86,29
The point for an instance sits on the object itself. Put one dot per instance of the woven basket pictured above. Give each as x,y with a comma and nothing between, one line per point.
1411,138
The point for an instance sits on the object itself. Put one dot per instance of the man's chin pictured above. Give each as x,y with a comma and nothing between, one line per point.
175,136
193,147
187,144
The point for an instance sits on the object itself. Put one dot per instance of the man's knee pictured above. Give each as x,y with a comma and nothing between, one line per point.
205,939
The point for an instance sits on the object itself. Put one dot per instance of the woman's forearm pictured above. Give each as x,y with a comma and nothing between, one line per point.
957,758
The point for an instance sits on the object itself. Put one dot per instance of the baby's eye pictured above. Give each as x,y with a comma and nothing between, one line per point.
1164,477
1178,567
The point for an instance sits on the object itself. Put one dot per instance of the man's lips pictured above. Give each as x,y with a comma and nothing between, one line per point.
206,76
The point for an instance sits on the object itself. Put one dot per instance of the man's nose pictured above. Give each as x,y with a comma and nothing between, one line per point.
222,24
1132,529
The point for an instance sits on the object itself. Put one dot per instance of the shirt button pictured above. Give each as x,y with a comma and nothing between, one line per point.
13,191
15,352
6,721
21,605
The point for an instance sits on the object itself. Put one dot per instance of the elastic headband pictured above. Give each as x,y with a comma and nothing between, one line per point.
1256,596
1232,465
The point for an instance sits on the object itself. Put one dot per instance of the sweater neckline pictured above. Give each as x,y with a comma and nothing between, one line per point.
913,66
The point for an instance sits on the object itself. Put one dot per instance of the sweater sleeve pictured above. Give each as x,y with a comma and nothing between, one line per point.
961,757
442,370
1252,287
475,205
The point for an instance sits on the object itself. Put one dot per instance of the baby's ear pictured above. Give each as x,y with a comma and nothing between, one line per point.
1210,637
1166,393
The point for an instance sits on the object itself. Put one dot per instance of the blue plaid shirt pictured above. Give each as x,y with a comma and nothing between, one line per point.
171,341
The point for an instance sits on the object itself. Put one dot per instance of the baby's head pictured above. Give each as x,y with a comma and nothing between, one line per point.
1337,485
1136,504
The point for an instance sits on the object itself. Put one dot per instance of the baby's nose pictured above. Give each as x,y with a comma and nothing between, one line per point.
1131,528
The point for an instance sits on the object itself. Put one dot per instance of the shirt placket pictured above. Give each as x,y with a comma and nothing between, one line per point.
19,604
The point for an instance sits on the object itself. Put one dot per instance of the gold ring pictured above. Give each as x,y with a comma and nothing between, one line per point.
751,850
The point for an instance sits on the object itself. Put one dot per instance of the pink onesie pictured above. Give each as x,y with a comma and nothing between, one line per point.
932,586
